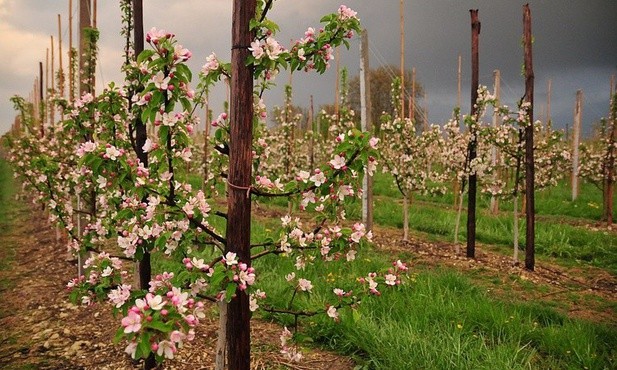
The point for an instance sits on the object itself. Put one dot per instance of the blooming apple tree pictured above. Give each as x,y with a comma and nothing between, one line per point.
154,210
411,157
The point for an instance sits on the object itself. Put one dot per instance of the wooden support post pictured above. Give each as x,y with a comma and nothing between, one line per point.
240,177
365,117
60,65
472,148
529,154
337,87
458,80
549,124
84,22
52,113
412,107
94,13
576,138
41,101
71,62
206,146
402,24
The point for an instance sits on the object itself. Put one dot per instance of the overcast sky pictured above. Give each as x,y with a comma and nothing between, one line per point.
575,46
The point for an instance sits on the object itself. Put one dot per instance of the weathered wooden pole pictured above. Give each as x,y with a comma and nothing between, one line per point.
529,155
412,108
84,22
239,180
365,117
548,104
458,81
576,139
472,147
40,104
94,13
494,207
46,102
337,86
206,146
71,56
402,25
52,113
60,65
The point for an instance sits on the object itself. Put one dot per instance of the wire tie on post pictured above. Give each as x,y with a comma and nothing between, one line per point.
247,188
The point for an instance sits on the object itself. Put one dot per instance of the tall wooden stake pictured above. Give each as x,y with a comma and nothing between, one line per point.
60,65
337,85
365,116
402,59
84,22
529,155
548,104
239,180
412,108
71,63
458,80
52,113
496,122
207,139
40,104
473,178
94,13
576,138
46,102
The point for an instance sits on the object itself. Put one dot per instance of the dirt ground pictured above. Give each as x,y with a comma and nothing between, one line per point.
40,329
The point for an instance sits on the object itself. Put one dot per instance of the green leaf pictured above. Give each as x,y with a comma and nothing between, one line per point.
186,104
144,344
161,326
184,70
145,55
160,242
119,334
230,291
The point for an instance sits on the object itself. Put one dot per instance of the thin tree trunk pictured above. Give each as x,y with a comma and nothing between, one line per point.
406,217
515,231
221,341
240,176
457,226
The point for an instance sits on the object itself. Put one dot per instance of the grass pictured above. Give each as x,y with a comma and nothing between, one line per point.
568,244
442,321
6,205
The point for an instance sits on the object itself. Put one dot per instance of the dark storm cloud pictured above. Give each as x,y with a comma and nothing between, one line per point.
574,46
